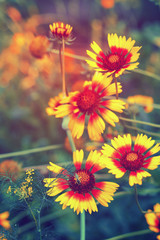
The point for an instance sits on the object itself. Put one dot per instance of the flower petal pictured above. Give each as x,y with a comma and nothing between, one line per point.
78,158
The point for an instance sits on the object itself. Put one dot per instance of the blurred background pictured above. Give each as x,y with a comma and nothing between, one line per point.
27,83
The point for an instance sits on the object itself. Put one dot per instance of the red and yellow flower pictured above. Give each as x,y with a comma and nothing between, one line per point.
120,57
80,184
153,219
122,158
53,104
3,220
146,101
61,30
92,102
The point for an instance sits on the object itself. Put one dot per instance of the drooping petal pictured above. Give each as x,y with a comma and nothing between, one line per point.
133,179
64,198
76,124
96,126
109,116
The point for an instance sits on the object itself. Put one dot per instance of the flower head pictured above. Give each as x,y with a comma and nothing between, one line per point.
80,184
10,168
61,30
92,102
153,219
3,220
38,47
107,3
140,99
122,157
120,57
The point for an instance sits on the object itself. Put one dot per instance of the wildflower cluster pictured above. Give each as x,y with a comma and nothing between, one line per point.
94,104
25,190
90,111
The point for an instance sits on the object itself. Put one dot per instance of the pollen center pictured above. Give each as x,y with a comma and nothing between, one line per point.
87,100
82,181
82,177
132,161
132,157
113,58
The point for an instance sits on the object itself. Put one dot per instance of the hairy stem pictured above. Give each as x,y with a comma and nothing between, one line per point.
82,224
139,71
140,122
138,204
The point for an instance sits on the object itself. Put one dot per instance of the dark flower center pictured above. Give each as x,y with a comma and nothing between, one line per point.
114,61
132,161
82,181
87,101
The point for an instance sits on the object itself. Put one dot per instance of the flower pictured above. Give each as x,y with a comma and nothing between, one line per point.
38,47
10,168
107,3
80,184
121,157
92,102
146,101
153,219
3,220
120,57
61,30
53,104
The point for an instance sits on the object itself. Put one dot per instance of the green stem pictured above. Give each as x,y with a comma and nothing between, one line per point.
142,130
44,219
63,69
138,204
68,132
32,213
82,225
34,150
140,122
146,73
115,81
132,234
